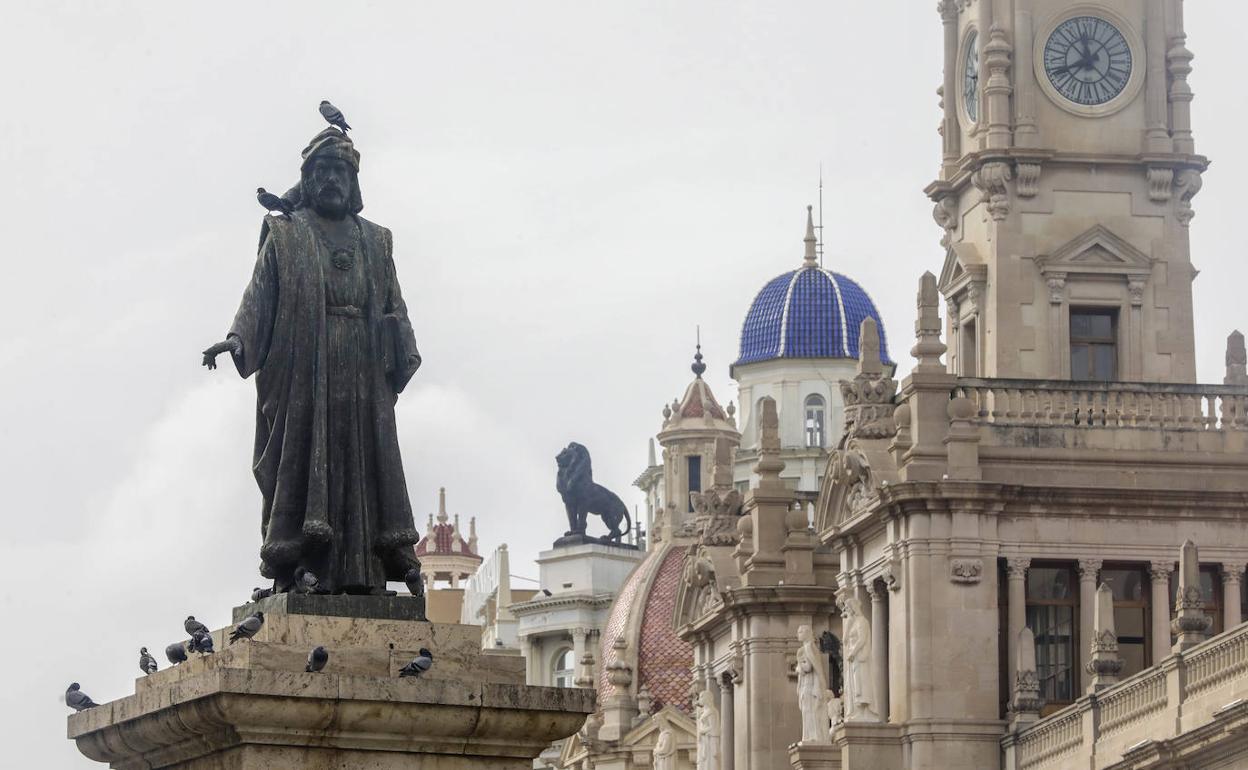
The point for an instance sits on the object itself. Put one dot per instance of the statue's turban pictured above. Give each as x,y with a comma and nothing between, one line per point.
334,144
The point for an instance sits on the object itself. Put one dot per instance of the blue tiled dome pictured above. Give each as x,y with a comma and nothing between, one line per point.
807,313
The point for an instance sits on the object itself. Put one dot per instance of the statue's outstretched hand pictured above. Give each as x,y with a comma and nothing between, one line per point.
232,344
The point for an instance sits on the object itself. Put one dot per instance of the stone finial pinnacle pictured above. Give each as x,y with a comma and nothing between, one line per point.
1236,360
812,258
869,361
442,504
927,347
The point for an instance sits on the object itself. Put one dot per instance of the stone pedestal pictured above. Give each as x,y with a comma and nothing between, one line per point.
814,756
868,745
251,706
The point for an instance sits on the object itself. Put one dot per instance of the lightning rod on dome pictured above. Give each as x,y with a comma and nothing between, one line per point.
819,227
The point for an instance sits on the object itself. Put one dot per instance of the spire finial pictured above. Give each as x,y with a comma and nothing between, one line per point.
442,504
811,259
698,367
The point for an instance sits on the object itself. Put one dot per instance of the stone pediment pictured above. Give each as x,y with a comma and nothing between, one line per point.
1097,252
962,263
855,473
635,745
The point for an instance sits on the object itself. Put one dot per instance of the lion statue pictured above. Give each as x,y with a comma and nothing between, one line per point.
581,496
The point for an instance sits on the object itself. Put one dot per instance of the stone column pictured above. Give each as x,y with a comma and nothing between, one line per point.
1232,579
727,743
879,647
1088,569
1016,609
1160,571
950,128
579,636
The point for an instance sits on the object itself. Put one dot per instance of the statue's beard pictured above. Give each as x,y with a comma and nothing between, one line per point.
330,201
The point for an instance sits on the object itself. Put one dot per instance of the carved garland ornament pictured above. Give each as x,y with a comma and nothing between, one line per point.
966,570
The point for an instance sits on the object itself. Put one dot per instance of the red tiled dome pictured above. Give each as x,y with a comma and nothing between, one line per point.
662,662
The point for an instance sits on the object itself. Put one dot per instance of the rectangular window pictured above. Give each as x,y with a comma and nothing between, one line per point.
1052,609
1093,344
695,477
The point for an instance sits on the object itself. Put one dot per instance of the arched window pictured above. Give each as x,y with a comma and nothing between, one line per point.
564,671
814,420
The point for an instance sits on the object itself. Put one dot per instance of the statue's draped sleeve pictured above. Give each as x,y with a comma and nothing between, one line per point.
407,357
253,324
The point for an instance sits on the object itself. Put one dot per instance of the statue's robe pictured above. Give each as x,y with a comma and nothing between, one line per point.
331,351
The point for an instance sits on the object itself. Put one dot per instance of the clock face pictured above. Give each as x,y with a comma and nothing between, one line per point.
970,78
1088,60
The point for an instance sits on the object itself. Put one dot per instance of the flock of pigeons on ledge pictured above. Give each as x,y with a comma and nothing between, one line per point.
200,641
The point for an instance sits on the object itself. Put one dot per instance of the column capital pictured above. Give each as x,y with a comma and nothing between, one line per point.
1159,571
1088,569
1016,567
877,591
1232,573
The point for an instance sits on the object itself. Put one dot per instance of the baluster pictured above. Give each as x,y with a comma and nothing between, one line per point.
998,405
1012,408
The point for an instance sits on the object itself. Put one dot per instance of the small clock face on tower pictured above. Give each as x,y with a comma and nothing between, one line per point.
970,78
1088,60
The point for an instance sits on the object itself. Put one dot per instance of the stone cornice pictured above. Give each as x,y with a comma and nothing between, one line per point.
534,606
991,498
746,601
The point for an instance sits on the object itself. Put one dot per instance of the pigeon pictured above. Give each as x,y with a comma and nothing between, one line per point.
201,642
192,625
248,628
419,665
176,653
147,664
273,203
307,583
415,583
317,659
333,116
77,699
261,593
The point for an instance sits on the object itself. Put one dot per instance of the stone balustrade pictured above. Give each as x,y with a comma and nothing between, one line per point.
1106,404
1155,711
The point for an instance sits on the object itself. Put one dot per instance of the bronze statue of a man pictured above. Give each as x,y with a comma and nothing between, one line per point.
324,328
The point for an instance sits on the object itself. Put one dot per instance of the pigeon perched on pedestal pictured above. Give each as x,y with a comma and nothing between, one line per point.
201,642
248,628
176,653
333,116
273,203
419,665
192,625
307,583
147,664
415,583
317,659
77,699
261,593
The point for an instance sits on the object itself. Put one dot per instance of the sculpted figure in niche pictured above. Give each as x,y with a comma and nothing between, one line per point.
812,687
323,327
708,732
664,753
859,697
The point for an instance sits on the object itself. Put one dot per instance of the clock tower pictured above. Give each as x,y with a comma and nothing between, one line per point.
1065,190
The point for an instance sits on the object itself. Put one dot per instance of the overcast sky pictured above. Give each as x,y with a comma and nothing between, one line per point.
572,188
